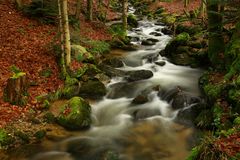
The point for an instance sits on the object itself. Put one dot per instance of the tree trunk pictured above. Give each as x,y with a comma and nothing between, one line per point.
19,4
215,42
186,2
16,89
90,10
124,14
78,9
60,26
67,45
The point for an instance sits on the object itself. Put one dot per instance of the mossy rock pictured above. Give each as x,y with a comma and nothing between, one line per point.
86,68
159,11
5,139
81,55
132,21
92,89
75,114
182,38
188,29
69,91
169,19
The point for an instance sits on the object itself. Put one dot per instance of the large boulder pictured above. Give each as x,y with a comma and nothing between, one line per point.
80,54
113,62
75,114
92,88
138,75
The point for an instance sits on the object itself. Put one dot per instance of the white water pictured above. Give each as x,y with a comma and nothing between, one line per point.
151,137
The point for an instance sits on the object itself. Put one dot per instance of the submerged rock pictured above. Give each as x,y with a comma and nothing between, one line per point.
167,31
160,63
147,43
140,99
75,114
138,75
157,34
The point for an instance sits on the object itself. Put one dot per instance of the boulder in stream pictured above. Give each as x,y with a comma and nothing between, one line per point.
92,88
147,43
113,62
75,114
138,75
167,31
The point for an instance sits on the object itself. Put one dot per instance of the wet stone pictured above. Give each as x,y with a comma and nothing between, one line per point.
157,34
160,63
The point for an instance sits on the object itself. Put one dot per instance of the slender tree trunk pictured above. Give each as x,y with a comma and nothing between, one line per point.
60,26
215,42
90,10
124,14
186,2
19,4
78,8
67,45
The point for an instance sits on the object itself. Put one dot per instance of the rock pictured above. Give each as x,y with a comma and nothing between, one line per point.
80,54
112,72
153,40
113,62
138,75
182,100
160,63
75,114
147,43
125,89
132,21
157,34
140,99
144,113
162,53
187,115
92,89
167,31
134,39
151,57
182,38
159,24
169,94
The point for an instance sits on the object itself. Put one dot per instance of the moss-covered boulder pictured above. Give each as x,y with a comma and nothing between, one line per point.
81,55
75,114
132,21
92,88
5,139
169,19
71,88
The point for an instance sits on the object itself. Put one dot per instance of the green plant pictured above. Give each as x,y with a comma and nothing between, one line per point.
98,47
5,139
117,31
46,73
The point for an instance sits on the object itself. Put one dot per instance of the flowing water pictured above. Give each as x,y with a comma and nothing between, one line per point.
135,132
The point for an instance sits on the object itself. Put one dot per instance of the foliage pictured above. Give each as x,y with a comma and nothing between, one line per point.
5,139
132,21
45,11
98,47
117,31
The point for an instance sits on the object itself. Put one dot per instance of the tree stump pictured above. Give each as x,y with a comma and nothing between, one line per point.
16,89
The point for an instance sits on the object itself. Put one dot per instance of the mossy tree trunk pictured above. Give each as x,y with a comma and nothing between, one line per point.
78,8
90,10
16,89
215,41
67,45
186,2
124,13
19,4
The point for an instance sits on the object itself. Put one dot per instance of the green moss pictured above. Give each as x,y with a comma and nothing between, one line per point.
132,21
81,54
204,119
234,95
217,114
75,114
194,154
117,31
17,75
213,91
49,117
40,134
71,81
169,19
237,121
98,47
182,37
5,139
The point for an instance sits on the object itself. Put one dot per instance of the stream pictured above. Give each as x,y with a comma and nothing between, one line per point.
127,131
